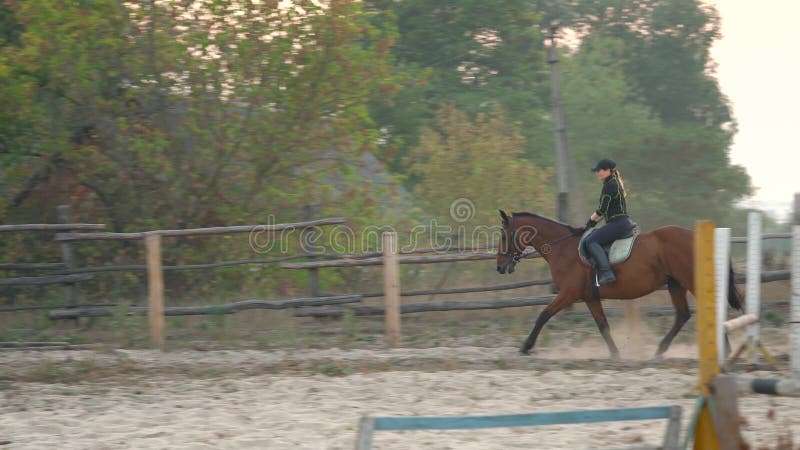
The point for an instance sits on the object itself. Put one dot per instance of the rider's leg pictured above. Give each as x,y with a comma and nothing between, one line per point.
605,274
594,245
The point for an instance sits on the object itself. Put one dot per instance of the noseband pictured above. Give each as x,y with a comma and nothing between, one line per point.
511,251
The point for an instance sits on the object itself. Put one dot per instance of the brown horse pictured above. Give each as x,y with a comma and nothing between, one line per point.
664,255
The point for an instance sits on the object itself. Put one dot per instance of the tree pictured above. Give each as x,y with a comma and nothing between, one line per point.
476,54
681,174
175,114
674,173
602,114
667,47
478,159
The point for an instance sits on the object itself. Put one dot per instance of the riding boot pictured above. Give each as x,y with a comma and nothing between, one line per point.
605,275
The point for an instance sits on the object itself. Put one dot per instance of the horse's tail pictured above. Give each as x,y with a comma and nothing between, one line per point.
734,298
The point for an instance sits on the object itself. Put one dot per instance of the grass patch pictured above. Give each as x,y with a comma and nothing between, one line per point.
349,324
334,370
501,363
774,317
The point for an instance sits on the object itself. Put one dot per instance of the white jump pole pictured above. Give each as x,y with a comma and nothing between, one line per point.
795,313
753,288
722,251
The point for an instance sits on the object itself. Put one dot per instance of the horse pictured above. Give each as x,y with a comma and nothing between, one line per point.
663,255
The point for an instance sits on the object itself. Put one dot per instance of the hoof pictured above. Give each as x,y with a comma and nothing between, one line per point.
615,356
524,352
658,356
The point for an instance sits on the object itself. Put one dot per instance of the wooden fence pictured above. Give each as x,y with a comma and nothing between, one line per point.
327,305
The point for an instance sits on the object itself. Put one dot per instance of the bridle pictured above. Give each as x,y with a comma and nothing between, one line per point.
511,251
516,256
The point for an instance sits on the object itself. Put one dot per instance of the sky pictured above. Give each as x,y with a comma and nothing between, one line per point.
758,69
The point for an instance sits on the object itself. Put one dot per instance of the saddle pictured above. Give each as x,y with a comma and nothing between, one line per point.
617,251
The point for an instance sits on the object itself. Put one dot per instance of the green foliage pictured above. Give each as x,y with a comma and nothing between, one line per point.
684,174
667,51
158,116
477,55
481,160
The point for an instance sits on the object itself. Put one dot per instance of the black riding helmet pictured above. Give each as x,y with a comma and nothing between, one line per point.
604,163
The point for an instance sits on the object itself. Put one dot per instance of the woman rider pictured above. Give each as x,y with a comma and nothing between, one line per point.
615,212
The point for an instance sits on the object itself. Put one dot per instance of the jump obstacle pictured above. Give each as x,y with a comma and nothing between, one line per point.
750,321
671,437
716,422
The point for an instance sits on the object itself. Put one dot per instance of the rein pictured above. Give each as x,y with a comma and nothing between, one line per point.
550,244
511,251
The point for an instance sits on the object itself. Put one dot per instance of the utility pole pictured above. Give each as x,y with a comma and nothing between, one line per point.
565,166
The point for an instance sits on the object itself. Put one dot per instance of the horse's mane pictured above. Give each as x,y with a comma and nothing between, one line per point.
556,222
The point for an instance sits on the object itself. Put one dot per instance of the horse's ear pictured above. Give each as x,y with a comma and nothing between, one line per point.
504,216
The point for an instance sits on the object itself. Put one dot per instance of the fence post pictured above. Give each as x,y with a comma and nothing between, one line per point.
391,288
722,251
313,273
795,311
155,289
753,287
68,256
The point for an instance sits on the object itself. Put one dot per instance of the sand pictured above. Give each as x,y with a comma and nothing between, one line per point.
247,399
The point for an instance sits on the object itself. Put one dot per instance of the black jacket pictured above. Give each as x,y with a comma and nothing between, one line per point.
612,200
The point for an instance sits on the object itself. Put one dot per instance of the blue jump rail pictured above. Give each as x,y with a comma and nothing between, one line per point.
671,439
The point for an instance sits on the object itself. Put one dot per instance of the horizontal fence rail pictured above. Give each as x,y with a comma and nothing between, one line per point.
31,266
200,231
48,279
417,251
229,308
217,265
40,307
739,240
497,287
54,227
766,277
410,308
432,259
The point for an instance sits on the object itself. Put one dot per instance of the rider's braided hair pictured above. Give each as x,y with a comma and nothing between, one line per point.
616,173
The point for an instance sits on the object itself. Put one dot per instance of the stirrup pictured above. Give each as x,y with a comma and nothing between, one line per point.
597,279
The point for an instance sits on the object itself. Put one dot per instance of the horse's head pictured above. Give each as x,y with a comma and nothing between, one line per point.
508,252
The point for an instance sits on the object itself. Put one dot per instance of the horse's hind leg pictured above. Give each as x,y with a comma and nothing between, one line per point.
596,308
677,294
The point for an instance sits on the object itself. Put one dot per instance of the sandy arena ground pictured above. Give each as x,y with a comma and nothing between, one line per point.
313,399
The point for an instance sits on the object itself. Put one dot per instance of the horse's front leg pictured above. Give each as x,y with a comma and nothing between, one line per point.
560,302
596,308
